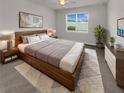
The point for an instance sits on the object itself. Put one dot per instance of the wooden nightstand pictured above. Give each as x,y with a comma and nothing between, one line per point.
9,55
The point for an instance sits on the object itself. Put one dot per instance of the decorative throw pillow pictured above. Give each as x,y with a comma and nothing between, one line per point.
33,39
43,36
25,38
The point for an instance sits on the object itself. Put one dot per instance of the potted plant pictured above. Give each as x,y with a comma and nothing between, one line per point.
99,35
112,41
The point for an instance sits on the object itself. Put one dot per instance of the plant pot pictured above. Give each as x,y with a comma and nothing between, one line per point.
100,45
112,44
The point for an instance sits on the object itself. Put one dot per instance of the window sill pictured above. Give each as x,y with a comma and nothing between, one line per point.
76,32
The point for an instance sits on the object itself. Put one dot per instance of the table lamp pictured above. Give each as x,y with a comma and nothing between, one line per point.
7,37
51,32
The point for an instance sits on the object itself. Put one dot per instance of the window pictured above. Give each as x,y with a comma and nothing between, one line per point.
77,22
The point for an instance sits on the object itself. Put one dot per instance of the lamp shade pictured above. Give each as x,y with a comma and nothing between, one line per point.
6,36
6,39
51,32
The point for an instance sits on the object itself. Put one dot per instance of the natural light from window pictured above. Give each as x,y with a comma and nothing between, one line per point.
77,22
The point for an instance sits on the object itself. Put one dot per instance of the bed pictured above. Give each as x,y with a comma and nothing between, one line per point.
59,59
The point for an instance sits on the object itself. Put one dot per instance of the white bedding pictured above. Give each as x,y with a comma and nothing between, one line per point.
22,46
69,61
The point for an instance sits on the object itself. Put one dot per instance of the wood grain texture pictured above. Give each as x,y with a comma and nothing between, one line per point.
69,80
8,54
63,77
119,65
18,35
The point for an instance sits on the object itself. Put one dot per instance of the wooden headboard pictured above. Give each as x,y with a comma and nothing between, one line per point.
18,35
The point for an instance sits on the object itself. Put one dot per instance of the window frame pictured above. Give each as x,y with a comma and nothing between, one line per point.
76,31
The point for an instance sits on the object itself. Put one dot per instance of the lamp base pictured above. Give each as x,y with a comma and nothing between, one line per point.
9,44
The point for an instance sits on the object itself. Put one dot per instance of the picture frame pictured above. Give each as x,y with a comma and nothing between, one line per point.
120,27
28,20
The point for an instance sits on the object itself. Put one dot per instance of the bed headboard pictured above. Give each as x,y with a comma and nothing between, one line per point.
18,35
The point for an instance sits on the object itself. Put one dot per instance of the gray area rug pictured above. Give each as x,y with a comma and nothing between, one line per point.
90,80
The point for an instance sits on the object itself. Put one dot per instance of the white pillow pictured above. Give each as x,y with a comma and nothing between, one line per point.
25,38
33,39
43,37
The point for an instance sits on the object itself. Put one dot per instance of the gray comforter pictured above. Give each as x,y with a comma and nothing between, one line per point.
51,50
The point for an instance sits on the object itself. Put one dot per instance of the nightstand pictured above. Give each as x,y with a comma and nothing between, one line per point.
9,55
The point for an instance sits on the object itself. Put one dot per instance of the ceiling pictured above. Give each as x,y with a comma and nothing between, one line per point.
72,3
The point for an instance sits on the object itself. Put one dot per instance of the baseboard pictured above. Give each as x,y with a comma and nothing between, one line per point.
90,44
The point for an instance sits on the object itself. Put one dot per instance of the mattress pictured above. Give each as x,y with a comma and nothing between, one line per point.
65,58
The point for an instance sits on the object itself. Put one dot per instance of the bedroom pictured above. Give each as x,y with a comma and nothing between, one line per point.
101,76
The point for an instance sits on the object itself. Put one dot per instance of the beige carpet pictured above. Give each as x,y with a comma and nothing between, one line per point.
90,77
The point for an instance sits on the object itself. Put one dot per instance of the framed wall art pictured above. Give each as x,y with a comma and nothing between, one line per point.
120,27
28,20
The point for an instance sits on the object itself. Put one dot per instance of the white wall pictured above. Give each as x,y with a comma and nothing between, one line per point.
9,19
115,11
9,10
98,15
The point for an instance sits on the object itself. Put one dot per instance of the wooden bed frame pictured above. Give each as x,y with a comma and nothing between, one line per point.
69,80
